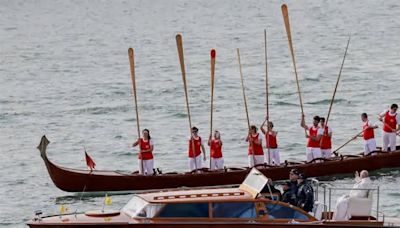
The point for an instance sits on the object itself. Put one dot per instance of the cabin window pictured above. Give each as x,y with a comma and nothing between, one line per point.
234,210
193,210
277,211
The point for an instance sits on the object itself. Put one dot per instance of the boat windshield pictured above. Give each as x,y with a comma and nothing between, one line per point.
135,206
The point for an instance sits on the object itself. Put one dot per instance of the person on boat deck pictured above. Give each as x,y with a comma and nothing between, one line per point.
271,143
195,147
314,136
360,190
368,134
216,158
305,194
255,145
293,177
287,195
145,156
391,127
326,139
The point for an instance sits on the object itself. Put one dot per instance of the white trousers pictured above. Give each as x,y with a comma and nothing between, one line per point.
389,140
217,163
195,163
313,153
147,166
369,146
342,205
326,153
274,156
259,159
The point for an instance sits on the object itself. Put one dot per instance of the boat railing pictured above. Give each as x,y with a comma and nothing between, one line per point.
329,189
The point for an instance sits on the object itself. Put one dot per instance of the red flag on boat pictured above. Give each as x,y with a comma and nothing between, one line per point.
89,162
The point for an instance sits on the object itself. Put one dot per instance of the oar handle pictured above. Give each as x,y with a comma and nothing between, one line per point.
337,81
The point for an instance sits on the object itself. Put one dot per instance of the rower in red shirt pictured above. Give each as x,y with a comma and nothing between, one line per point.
195,147
145,156
391,127
215,144
314,135
255,147
271,143
368,134
326,139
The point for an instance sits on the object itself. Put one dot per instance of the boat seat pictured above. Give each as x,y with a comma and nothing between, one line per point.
360,206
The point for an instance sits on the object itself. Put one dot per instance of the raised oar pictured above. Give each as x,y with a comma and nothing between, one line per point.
132,65
245,103
213,55
179,45
336,86
285,14
266,94
337,82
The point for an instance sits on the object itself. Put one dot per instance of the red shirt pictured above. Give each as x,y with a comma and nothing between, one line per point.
368,131
390,122
197,147
270,138
313,132
258,150
145,145
216,148
326,142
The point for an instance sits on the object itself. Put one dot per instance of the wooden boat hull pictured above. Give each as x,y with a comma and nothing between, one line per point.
215,225
75,180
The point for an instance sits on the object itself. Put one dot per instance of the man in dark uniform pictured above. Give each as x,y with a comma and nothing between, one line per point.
305,194
287,195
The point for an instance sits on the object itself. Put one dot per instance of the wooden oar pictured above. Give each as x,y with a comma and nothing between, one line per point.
337,81
266,95
213,56
179,45
133,77
245,104
336,86
285,14
352,138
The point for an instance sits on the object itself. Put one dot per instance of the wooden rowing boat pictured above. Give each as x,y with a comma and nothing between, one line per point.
78,180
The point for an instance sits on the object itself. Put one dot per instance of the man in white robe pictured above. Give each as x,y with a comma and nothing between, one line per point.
362,182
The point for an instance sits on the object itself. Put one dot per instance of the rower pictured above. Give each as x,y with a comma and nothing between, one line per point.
215,144
255,145
195,147
368,134
391,127
314,136
326,139
145,156
271,143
